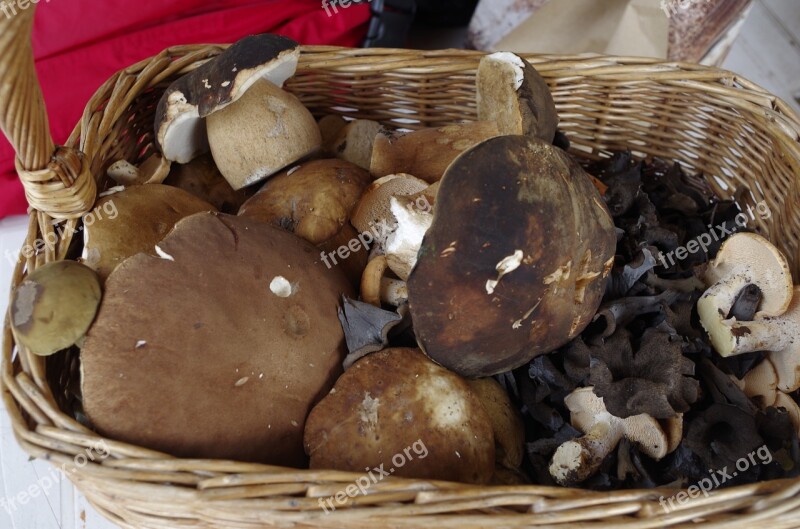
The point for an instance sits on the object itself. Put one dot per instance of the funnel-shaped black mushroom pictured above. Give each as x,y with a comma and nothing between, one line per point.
516,260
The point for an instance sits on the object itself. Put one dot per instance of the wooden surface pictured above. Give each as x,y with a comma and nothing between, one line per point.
767,52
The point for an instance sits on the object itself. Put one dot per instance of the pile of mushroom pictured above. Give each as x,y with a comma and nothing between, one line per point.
331,294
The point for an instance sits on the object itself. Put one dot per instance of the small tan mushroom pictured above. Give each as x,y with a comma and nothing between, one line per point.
577,460
144,215
427,153
512,94
152,171
354,142
373,213
761,384
392,402
266,130
53,307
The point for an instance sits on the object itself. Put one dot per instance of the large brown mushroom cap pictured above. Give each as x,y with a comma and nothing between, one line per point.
516,261
144,215
266,130
220,347
54,306
390,400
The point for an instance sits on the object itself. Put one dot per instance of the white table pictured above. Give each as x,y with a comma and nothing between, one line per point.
60,506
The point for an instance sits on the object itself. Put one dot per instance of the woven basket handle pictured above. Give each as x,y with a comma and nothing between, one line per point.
57,181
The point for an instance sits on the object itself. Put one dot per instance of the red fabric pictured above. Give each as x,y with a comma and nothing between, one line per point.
78,44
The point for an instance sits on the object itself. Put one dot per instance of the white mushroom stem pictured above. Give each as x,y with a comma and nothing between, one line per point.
747,259
393,291
403,245
576,460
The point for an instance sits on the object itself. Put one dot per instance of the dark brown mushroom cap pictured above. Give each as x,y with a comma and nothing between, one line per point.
398,399
214,85
511,200
144,215
219,348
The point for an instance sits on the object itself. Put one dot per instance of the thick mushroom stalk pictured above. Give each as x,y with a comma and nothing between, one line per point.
576,460
747,259
402,245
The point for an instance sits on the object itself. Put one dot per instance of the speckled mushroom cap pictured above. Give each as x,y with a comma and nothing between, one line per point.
516,260
132,221
219,347
392,401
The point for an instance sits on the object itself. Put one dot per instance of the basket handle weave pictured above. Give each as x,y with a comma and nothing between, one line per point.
57,180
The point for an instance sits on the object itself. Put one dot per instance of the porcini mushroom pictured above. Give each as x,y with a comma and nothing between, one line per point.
512,94
403,244
382,406
577,460
315,200
745,259
264,131
143,216
151,171
218,347
509,430
427,153
354,142
202,178
373,213
502,274
180,130
54,306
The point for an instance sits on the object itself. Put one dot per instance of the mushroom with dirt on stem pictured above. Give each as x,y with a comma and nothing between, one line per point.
747,259
576,460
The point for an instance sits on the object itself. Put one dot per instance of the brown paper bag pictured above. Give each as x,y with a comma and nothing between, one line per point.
612,27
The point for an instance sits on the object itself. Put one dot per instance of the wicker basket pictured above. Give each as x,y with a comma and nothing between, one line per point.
711,120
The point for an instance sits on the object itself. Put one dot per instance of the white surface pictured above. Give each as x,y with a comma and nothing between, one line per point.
57,504
767,53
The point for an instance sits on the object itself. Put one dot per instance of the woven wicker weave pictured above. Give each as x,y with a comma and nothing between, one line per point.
711,120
